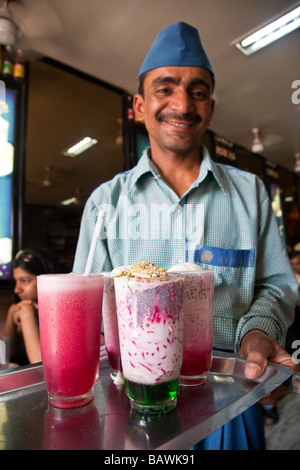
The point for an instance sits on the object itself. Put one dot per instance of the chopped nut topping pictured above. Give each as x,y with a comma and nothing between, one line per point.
144,269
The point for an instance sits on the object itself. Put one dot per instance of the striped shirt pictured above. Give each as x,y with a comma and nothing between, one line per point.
224,222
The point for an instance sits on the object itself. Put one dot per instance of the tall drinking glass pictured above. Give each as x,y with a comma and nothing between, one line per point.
198,306
70,311
111,333
150,318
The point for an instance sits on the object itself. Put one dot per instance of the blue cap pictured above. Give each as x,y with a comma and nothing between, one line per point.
177,45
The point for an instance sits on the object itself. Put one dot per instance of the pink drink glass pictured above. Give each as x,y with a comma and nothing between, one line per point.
70,311
110,323
198,307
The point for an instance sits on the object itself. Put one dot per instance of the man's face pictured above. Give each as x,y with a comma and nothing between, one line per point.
177,108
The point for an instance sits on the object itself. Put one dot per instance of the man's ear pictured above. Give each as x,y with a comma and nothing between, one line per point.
138,107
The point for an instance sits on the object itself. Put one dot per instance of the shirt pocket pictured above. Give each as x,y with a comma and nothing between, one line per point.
234,273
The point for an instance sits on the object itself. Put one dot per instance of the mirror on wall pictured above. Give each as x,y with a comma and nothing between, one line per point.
62,109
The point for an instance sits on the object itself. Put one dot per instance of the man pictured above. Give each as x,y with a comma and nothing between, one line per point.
178,205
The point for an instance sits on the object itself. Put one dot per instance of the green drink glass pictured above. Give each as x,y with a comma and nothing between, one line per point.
150,319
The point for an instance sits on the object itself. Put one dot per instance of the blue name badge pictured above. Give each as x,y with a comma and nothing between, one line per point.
222,257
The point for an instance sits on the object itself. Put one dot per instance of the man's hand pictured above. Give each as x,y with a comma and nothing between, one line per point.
259,349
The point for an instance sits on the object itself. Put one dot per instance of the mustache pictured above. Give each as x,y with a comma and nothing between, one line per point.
186,117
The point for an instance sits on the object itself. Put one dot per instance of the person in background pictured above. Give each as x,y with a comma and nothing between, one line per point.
294,256
293,333
21,325
178,205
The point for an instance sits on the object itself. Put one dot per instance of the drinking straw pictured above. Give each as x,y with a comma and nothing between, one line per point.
94,242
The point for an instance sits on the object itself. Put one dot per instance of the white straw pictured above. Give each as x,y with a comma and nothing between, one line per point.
94,242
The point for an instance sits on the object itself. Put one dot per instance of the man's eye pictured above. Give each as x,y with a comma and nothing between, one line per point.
163,90
199,94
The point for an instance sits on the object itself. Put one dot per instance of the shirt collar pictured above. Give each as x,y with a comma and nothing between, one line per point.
208,165
145,165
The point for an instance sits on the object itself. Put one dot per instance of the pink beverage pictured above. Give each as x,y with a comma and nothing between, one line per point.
72,429
198,306
110,323
70,311
150,318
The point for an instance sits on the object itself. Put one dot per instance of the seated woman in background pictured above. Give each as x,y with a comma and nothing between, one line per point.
21,324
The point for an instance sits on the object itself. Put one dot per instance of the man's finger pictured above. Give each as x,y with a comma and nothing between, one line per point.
255,365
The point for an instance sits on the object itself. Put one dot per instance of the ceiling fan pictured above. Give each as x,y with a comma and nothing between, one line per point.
8,28
24,23
263,143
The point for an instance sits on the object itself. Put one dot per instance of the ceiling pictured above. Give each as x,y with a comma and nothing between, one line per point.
108,40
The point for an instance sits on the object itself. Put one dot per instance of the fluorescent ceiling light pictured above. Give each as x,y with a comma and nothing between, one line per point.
79,147
269,33
68,202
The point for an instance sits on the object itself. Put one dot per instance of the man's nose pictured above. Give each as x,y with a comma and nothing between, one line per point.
182,102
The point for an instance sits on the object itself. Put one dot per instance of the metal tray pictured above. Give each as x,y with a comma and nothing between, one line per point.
223,364
109,421
228,364
32,375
